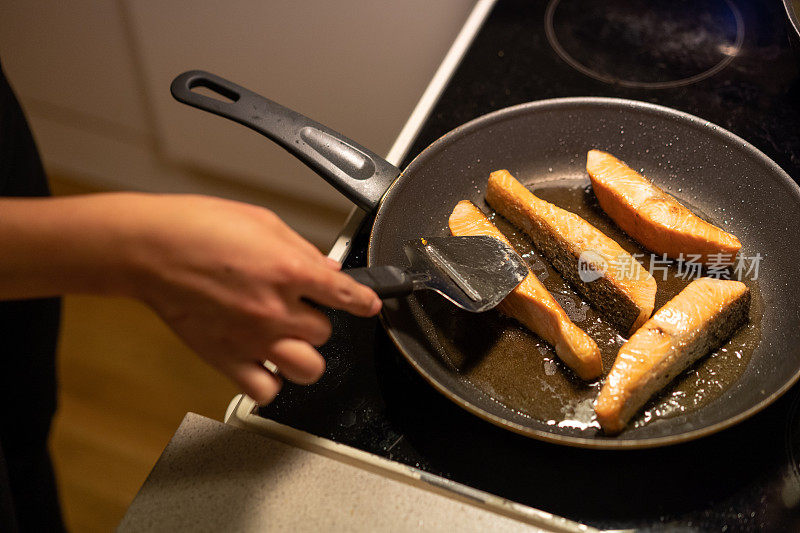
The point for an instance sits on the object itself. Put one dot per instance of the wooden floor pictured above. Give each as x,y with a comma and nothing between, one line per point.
125,384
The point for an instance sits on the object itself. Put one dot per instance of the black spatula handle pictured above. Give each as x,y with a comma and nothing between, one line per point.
386,281
358,173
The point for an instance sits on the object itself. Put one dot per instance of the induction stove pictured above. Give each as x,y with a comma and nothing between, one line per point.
726,61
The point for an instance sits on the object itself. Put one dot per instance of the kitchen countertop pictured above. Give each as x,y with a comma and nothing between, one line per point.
215,477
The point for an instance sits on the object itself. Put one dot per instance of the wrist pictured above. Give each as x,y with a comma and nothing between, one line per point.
102,242
126,250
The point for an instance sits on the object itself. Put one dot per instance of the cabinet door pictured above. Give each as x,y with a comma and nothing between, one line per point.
358,66
72,63
94,79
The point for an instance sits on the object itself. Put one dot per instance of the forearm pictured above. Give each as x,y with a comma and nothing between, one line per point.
79,244
231,279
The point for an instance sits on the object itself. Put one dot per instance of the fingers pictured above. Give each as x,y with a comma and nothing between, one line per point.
306,248
333,263
340,291
308,324
301,243
255,381
297,360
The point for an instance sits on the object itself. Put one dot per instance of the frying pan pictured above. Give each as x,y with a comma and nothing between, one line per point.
717,171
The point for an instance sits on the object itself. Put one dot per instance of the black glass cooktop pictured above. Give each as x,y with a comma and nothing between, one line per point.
726,61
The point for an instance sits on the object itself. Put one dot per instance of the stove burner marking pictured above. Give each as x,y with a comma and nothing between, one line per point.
729,51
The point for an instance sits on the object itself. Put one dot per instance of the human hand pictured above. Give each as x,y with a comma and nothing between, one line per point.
230,279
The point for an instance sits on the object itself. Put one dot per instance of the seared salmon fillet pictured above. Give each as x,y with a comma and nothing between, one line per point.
697,320
654,218
532,305
617,285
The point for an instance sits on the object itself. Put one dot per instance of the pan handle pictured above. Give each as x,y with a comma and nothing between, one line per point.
356,172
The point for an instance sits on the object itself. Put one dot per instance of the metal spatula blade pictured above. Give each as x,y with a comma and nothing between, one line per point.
475,273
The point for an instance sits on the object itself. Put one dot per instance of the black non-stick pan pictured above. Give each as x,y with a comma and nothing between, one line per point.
542,143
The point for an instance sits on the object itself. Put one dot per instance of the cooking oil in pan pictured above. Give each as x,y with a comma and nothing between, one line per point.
518,369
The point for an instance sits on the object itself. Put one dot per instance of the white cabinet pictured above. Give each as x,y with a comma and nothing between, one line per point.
94,78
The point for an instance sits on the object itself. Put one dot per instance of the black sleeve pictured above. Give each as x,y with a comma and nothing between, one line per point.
28,335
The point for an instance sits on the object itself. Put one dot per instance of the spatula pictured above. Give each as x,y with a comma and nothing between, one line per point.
475,273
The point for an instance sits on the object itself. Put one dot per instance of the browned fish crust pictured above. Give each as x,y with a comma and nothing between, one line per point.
695,322
612,303
613,299
533,305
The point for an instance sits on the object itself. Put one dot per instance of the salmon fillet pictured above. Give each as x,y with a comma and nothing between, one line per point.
689,326
618,286
532,305
654,218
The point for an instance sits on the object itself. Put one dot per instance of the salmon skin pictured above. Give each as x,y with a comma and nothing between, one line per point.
654,218
697,320
599,268
532,305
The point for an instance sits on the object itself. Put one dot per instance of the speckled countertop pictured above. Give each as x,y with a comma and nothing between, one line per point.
215,477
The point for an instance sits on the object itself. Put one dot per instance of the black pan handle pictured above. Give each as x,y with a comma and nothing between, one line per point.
356,172
386,281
